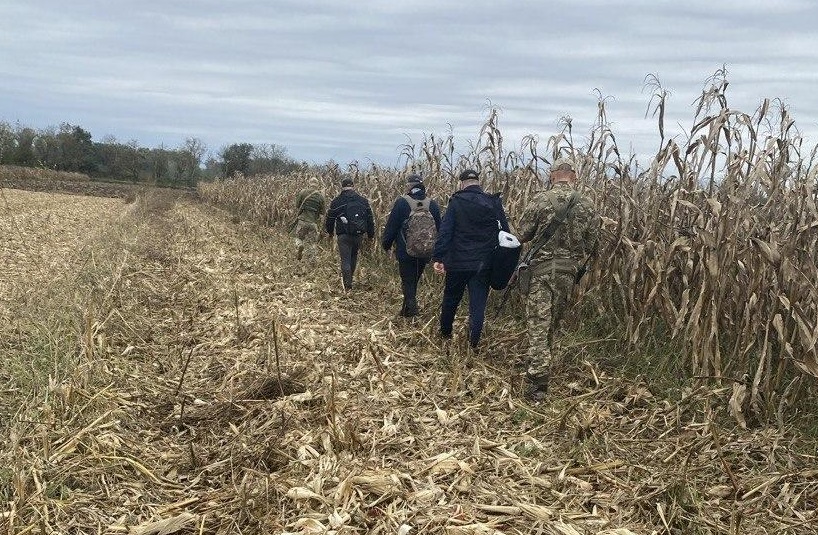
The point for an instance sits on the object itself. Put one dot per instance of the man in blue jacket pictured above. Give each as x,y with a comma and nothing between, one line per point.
410,267
468,235
350,217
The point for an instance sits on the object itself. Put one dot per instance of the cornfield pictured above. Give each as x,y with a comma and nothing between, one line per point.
169,368
710,243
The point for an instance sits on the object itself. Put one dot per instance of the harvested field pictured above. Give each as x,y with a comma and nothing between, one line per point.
41,237
218,387
46,180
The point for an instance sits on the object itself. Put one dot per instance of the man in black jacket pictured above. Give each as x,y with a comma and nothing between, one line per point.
350,217
468,235
410,267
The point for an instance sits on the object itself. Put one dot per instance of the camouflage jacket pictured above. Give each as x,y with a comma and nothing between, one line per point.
310,205
575,239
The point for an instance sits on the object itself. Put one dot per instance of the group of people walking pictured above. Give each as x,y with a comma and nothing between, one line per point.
560,224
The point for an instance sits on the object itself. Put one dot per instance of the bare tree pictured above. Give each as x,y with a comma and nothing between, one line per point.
189,160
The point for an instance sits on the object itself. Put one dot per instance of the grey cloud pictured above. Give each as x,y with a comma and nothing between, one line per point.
348,81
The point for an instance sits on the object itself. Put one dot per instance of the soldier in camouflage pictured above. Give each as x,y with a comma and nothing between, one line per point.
310,205
555,266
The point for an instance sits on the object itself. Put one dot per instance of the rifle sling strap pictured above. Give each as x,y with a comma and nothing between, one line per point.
559,218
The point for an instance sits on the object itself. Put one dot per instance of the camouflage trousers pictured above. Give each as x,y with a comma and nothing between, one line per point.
306,238
547,301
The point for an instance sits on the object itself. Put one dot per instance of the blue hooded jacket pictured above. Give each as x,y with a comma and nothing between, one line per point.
393,233
468,233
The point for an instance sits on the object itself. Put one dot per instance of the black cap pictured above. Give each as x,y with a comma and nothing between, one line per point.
469,174
414,179
346,182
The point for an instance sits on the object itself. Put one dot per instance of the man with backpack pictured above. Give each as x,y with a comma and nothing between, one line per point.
350,217
412,226
309,204
563,226
463,252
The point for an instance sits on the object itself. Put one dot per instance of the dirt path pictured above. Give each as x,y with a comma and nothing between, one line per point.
227,390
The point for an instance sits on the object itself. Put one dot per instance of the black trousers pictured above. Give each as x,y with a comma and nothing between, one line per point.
456,283
410,273
348,246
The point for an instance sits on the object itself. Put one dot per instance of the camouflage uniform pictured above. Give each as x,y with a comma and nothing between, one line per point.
554,267
310,205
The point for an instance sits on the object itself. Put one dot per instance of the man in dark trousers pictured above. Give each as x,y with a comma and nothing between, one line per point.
410,267
468,235
350,217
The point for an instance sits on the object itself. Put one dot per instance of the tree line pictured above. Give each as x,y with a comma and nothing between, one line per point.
72,148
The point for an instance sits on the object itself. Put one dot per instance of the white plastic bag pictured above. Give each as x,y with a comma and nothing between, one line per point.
507,240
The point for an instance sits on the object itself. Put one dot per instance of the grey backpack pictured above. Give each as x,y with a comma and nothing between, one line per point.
419,230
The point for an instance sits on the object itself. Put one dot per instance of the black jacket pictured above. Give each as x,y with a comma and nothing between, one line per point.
393,233
468,233
336,210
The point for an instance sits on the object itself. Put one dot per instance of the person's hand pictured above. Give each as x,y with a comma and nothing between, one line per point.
440,269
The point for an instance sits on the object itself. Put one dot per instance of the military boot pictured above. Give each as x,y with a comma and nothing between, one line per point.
536,389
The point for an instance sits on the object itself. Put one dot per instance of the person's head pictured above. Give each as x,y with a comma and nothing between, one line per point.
469,177
413,183
313,182
346,183
563,170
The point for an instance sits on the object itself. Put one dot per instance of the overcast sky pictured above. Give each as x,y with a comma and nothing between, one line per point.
351,80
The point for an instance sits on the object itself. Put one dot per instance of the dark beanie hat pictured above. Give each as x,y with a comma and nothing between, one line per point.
414,179
346,182
469,174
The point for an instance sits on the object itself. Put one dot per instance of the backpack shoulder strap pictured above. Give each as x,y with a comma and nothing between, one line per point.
417,204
